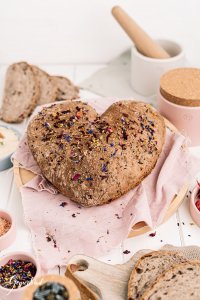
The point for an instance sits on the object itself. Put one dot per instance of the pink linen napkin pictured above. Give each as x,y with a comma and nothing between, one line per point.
61,228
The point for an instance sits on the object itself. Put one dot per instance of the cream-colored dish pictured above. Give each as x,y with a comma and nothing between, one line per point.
9,139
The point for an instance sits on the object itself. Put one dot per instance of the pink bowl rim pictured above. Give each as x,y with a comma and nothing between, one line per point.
28,255
13,225
183,107
192,199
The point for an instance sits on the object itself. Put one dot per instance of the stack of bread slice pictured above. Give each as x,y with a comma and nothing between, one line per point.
27,86
164,275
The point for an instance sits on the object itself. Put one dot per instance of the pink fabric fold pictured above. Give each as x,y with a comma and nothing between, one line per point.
61,228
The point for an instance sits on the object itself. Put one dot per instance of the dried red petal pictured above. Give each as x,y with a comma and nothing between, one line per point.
198,204
152,234
109,129
76,177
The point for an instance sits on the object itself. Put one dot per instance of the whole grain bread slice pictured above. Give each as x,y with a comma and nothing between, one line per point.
179,282
48,88
148,268
21,93
66,89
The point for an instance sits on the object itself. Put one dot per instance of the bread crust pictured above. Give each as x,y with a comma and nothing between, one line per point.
48,88
16,110
161,278
100,158
65,89
138,265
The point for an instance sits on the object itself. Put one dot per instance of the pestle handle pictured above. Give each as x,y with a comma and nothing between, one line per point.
141,39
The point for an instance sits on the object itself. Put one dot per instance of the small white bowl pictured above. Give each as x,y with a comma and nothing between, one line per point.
146,71
195,213
5,162
16,294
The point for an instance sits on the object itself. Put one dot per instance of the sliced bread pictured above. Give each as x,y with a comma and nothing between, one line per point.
21,93
48,88
148,268
180,282
66,89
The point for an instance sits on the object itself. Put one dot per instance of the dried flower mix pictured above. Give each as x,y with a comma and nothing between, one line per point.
126,252
5,225
197,203
63,204
51,291
16,273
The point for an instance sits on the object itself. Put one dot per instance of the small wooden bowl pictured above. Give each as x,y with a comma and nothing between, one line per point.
195,213
38,281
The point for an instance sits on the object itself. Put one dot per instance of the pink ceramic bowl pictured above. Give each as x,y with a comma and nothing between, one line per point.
9,294
195,213
8,238
185,118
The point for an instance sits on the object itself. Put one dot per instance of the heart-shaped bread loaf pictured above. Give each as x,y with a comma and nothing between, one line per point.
95,159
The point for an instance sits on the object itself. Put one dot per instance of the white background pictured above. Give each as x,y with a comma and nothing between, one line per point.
83,31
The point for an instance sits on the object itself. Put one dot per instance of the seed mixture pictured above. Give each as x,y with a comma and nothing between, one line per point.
5,225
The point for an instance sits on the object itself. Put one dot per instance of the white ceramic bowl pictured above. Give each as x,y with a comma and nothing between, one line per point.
5,162
146,71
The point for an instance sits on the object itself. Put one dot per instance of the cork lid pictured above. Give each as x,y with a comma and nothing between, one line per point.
181,86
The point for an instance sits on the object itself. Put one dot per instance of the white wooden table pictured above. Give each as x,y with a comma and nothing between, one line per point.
179,230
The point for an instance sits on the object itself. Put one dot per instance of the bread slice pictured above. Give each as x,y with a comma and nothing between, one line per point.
48,88
21,93
66,89
180,282
148,268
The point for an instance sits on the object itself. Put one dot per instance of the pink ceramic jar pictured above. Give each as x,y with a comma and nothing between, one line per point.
179,101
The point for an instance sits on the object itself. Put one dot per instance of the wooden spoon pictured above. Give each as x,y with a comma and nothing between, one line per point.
141,39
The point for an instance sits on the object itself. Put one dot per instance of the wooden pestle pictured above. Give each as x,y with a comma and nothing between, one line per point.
141,39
